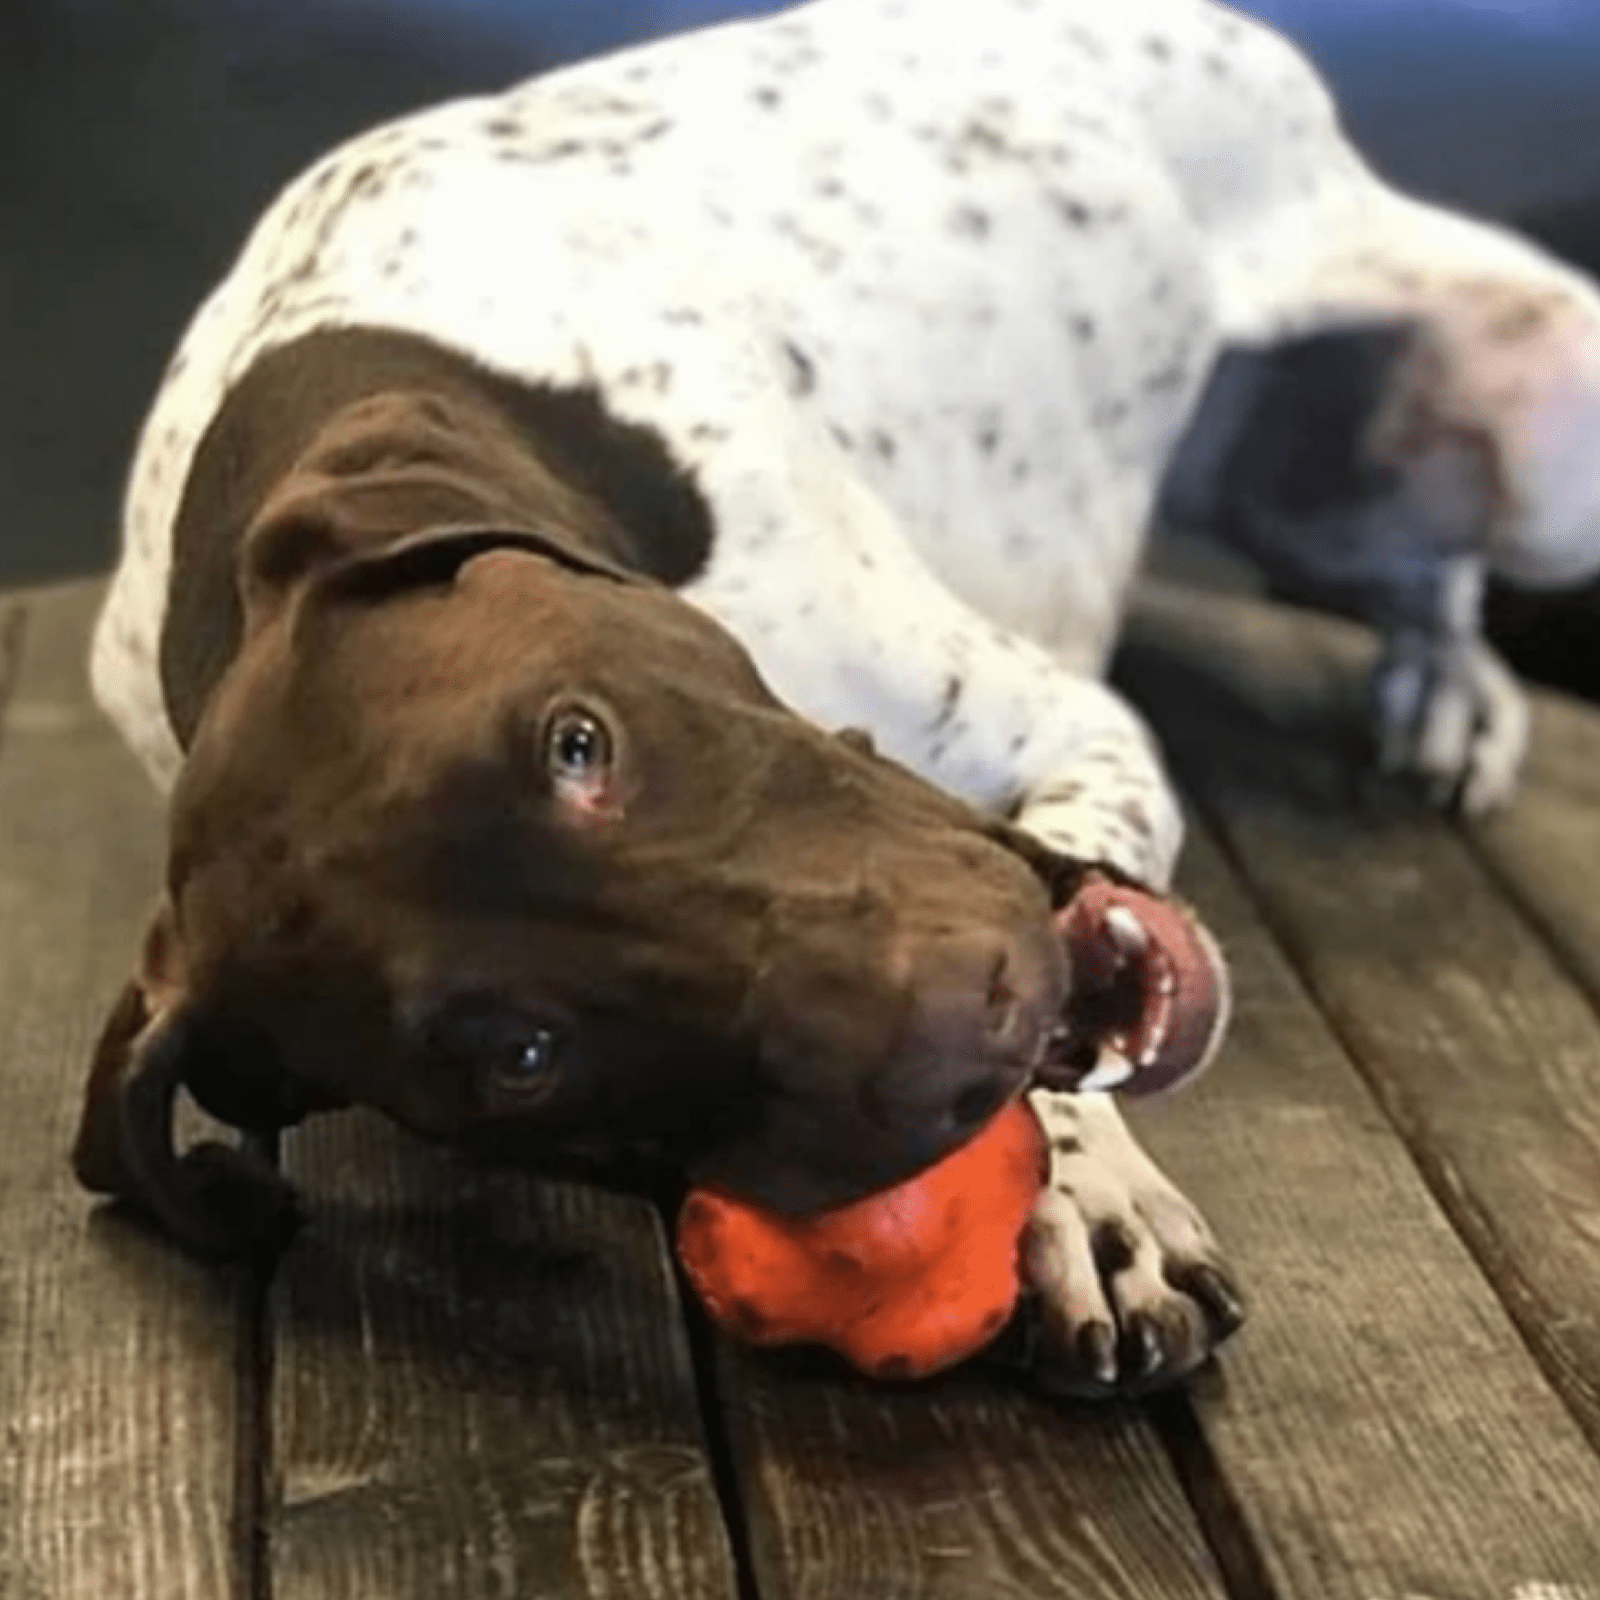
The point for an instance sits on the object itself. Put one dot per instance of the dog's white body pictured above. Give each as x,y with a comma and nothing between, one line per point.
925,294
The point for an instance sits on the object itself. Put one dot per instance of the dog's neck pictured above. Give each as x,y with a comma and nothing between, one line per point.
363,437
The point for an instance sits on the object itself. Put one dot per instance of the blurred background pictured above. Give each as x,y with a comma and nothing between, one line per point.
139,138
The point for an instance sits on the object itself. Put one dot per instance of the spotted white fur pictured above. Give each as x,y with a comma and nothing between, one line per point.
924,292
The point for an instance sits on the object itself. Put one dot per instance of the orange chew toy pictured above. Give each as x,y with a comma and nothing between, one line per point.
901,1284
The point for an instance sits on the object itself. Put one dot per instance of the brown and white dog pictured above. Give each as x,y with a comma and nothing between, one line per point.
567,495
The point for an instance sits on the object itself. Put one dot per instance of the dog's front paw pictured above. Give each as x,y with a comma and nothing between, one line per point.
1128,1290
1449,713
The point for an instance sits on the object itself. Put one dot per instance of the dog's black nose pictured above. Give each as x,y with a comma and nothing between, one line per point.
982,1009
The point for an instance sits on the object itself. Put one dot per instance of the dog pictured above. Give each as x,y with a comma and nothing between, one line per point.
617,581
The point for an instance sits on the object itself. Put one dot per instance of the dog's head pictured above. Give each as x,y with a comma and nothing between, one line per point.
517,848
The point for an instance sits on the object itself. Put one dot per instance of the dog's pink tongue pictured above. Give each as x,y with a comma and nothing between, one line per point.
1150,994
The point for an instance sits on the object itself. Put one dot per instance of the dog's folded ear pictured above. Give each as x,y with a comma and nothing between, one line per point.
401,491
213,1199
431,557
436,555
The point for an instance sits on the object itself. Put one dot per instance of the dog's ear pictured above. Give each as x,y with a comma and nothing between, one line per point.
291,551
212,1199
436,555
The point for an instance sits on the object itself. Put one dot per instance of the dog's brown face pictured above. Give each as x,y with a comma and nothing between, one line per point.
528,858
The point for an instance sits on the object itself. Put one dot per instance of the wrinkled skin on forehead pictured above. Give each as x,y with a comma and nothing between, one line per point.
753,947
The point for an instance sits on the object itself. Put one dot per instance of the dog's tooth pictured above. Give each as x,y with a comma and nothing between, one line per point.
1110,1072
1169,985
1126,930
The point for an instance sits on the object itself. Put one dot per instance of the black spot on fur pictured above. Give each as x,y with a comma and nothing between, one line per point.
953,685
766,97
562,150
1134,815
1157,48
989,438
1072,211
1067,1144
970,222
826,257
883,445
802,369
1065,793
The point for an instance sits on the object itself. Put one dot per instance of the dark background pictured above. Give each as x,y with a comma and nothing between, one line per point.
139,139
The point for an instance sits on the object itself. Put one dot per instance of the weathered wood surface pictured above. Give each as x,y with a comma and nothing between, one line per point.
1483,1051
482,1388
477,1385
1380,1424
1546,849
965,1489
119,1386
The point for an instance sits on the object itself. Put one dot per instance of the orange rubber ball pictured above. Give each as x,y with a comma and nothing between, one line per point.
901,1284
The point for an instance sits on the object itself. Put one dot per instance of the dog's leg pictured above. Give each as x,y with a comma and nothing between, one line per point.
1446,708
1293,459
1407,410
1130,1289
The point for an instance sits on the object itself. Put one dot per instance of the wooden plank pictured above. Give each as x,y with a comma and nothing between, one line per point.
961,1489
1380,1425
1546,848
1484,1054
117,1355
482,1388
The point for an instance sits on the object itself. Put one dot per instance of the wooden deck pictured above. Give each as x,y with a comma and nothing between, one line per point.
481,1387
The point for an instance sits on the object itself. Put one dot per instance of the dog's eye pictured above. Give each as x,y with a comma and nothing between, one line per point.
524,1065
514,1058
578,755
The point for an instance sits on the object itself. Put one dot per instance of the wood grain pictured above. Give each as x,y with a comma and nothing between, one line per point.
962,1489
1545,849
117,1355
482,1388
1481,1050
1380,1424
